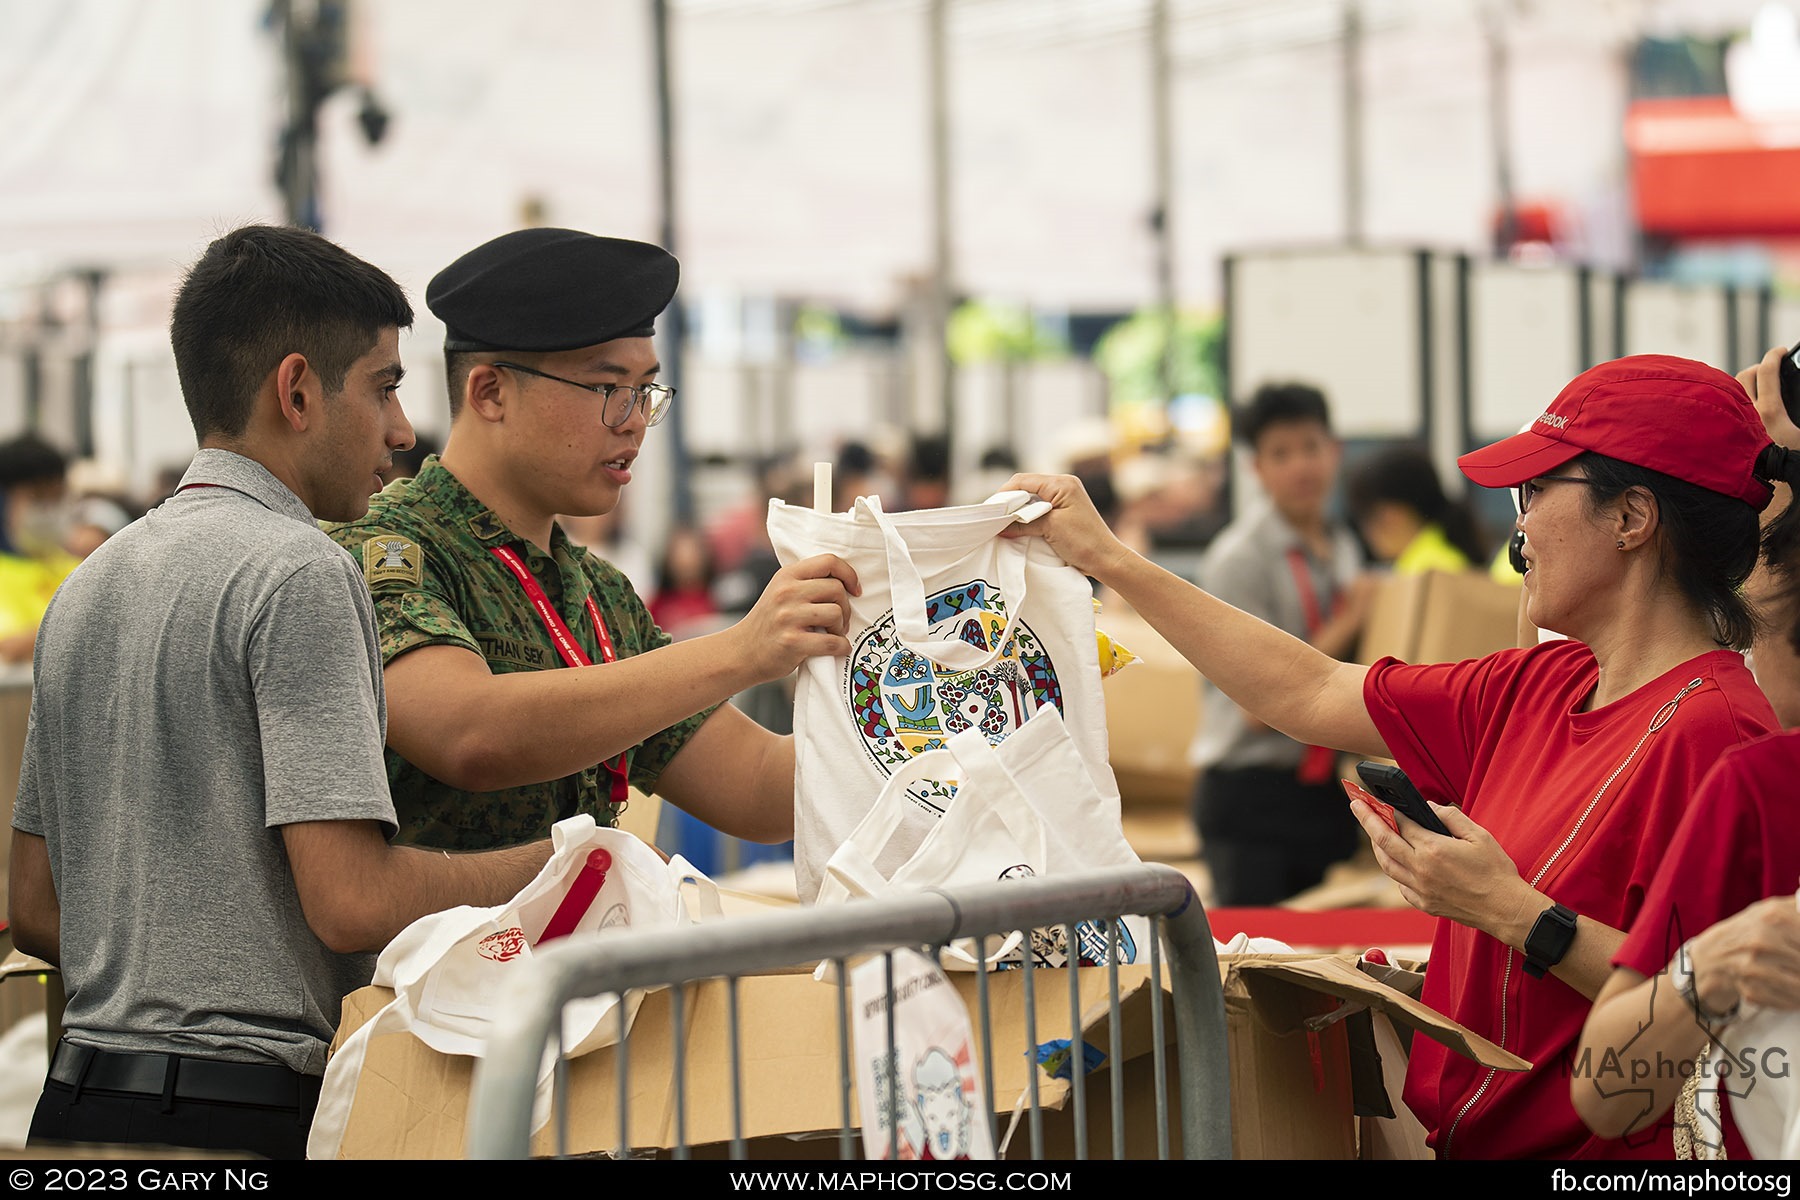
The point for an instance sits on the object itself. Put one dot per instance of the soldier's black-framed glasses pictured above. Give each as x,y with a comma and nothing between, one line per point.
655,397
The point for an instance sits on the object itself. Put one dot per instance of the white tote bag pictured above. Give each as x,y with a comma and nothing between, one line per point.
1750,1060
935,1105
1020,809
956,629
447,968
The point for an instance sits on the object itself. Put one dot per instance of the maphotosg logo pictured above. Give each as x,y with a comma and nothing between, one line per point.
1717,1071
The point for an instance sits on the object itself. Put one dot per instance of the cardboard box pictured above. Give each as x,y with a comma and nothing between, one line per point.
1302,1053
1152,715
1440,617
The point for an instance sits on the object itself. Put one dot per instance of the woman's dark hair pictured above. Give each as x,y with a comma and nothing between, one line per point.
1405,475
1710,540
1781,539
1781,548
665,573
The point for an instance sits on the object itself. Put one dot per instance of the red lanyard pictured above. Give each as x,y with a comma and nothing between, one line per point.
1309,595
566,645
1317,763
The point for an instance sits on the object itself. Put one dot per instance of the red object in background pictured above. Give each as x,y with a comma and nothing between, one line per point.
1531,223
1699,168
1346,928
579,898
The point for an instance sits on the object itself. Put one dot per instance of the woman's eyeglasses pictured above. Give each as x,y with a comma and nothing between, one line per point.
1531,487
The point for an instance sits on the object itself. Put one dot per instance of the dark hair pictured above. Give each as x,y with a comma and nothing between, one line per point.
1781,538
263,292
998,458
854,458
457,365
1781,549
665,570
1405,475
1275,404
28,458
929,458
1709,540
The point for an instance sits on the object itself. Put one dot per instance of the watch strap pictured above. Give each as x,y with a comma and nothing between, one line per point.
1549,940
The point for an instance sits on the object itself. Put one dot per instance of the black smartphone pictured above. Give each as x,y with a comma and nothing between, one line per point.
1790,383
1391,785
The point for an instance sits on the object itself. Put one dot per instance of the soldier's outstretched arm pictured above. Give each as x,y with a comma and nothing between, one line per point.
461,723
736,776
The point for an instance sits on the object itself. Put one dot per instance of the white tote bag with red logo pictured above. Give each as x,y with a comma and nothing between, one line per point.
956,629
447,968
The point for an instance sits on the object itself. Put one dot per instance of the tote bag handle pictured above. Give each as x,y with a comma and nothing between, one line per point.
911,626
851,870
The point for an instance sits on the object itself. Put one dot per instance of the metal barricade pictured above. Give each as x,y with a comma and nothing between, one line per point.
505,1078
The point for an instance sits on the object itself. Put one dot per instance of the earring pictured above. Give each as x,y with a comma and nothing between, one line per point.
1621,544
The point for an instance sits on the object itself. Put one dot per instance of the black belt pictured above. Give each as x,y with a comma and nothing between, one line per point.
182,1078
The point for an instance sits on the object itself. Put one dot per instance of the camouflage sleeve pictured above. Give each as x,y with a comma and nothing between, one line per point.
625,607
414,604
649,759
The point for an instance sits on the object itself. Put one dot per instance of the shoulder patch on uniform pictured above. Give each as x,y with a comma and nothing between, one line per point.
388,557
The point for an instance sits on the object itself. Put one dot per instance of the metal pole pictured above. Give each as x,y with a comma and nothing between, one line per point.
1353,121
1162,186
1506,229
943,265
298,171
84,364
674,330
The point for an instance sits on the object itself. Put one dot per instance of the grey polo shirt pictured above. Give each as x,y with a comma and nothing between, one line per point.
1247,567
209,675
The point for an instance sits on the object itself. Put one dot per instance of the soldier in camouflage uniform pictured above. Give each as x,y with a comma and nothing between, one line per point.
482,600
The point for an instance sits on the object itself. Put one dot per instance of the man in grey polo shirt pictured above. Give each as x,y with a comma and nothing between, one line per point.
1270,812
202,820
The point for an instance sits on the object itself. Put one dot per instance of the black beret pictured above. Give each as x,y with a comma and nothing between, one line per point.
552,289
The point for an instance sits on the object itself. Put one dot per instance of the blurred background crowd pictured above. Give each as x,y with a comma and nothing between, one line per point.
929,241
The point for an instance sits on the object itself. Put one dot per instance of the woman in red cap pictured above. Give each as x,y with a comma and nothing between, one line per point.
1718,935
1561,770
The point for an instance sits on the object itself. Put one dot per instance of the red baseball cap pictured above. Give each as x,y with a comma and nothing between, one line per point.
1673,415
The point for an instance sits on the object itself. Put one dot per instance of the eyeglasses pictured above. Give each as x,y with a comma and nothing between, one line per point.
1531,487
655,397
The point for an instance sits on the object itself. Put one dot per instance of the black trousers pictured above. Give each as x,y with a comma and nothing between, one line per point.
1265,836
73,1112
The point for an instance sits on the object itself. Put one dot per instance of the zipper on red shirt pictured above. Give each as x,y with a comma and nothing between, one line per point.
1661,718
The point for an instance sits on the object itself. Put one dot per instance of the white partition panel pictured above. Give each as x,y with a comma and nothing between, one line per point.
1605,289
1351,322
1686,321
1749,307
1524,342
1784,321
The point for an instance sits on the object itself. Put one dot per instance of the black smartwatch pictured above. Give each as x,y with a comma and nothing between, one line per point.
1550,937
